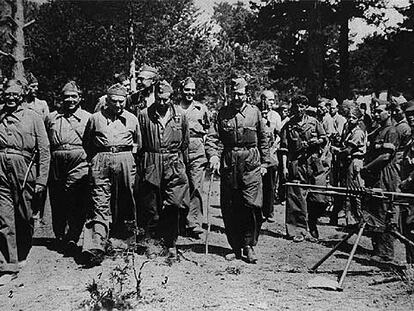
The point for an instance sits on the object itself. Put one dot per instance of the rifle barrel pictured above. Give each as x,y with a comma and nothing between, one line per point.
348,190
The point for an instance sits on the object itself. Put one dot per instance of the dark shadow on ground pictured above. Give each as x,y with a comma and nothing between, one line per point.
346,247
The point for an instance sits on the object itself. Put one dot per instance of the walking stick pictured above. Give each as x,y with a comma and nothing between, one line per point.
207,210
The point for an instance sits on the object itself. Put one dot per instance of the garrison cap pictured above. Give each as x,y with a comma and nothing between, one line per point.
163,89
31,79
117,89
187,82
268,94
147,72
238,84
71,86
14,86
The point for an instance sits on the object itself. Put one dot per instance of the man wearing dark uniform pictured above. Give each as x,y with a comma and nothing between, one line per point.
244,159
163,183
381,171
302,140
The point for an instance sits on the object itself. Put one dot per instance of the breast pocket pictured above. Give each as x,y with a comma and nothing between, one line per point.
176,132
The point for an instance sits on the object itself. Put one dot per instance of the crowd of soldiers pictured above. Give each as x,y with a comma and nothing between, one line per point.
141,159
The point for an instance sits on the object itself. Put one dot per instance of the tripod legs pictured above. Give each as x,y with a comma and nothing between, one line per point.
316,266
351,255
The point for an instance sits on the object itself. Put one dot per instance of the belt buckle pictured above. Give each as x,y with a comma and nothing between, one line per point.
113,149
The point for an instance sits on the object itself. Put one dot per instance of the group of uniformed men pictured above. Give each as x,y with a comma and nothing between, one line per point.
142,157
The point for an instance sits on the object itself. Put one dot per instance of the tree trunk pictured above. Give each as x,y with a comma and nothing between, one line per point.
315,53
132,49
343,14
19,44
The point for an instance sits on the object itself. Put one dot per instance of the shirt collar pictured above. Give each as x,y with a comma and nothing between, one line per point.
76,114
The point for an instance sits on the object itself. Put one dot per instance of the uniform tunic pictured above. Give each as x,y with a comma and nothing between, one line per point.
68,172
385,140
304,166
404,130
243,136
350,177
22,133
108,144
163,183
199,123
39,106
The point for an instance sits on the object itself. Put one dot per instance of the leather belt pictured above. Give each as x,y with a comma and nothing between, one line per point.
67,147
115,149
236,148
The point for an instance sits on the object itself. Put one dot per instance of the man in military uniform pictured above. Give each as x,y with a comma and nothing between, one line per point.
302,140
407,185
24,151
199,123
163,184
120,78
68,169
111,136
31,101
403,128
272,127
350,153
243,162
144,97
380,171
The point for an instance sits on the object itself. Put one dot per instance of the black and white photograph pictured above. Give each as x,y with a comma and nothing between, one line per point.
223,155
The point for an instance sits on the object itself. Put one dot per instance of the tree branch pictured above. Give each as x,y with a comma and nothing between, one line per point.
7,55
11,21
12,37
29,23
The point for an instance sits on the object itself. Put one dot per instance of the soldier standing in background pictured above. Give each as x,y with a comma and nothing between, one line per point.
243,163
380,171
272,128
144,97
24,151
198,122
163,183
111,136
31,101
68,169
302,140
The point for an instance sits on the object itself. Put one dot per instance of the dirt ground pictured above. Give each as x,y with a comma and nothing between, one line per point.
198,281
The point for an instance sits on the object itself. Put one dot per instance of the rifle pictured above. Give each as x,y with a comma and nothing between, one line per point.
359,229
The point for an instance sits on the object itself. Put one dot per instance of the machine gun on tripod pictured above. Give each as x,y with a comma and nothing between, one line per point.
366,220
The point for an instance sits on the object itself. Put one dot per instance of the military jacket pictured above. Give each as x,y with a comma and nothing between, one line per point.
66,130
296,135
23,130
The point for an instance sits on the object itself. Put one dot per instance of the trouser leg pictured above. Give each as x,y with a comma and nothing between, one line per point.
58,200
168,225
231,202
196,180
8,242
96,229
269,183
296,203
77,199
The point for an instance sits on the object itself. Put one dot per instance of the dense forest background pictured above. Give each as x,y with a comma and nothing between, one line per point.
287,46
